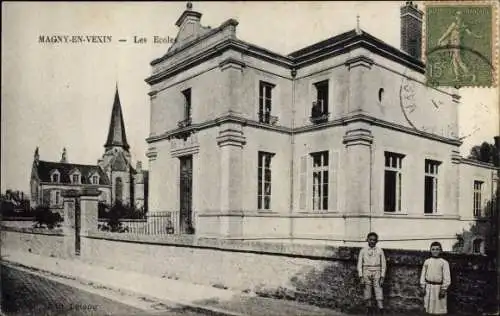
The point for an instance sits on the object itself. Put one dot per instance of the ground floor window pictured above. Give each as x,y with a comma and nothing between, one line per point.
264,180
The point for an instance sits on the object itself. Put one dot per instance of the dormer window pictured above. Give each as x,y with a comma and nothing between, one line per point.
55,176
75,177
94,179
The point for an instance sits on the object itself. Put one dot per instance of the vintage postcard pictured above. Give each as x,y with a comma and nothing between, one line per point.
250,158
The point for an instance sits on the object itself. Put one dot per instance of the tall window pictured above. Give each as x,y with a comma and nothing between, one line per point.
264,181
392,182
187,103
55,177
95,180
320,180
265,100
118,190
477,246
320,106
431,186
57,198
478,186
76,178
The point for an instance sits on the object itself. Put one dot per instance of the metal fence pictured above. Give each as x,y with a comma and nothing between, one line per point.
155,223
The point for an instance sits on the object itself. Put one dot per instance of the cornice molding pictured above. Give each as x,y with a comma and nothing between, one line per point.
233,63
231,137
359,61
477,163
359,136
152,153
231,118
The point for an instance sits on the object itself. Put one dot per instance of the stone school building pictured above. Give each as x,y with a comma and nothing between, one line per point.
322,145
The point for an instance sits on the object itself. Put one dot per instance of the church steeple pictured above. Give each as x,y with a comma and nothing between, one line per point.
116,134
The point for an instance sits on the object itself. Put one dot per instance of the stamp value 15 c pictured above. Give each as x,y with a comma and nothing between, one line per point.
460,45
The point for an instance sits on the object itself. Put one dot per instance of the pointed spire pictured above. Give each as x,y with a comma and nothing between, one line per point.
36,156
116,134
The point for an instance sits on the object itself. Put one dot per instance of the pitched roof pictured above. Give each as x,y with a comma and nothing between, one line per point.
116,133
45,168
350,39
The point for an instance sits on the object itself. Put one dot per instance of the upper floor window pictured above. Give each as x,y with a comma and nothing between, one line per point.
55,177
75,178
320,180
319,112
57,199
187,103
477,246
95,179
265,102
431,186
393,178
264,180
478,187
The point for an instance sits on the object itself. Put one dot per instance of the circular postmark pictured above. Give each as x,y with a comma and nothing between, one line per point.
421,108
458,66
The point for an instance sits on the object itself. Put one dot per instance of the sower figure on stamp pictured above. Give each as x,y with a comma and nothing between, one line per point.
371,271
435,280
452,37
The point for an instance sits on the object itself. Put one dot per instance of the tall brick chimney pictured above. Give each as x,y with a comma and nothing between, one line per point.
411,30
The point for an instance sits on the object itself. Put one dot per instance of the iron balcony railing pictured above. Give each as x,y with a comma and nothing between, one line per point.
321,118
267,118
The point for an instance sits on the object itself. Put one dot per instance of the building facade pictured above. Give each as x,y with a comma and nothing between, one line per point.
113,174
322,145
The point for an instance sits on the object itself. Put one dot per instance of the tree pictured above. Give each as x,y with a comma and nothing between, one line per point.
45,217
485,152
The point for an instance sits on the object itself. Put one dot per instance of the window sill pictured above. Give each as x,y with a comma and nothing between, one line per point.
396,213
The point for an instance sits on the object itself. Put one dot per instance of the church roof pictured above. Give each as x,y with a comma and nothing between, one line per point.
116,134
44,170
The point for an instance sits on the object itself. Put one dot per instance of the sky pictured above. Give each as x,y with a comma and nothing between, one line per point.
61,95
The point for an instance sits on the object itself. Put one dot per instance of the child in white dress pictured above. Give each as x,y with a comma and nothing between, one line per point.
435,280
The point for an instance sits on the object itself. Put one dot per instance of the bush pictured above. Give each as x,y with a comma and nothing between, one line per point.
45,217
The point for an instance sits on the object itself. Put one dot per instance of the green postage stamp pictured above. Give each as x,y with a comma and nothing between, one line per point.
461,43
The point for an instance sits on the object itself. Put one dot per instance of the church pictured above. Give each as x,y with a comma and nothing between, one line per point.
113,174
322,145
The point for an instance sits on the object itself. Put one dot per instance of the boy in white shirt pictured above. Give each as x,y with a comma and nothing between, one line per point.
435,280
371,271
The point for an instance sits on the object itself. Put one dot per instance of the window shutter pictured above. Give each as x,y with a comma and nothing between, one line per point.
303,183
333,185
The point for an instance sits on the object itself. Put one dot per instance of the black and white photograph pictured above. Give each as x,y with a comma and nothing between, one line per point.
241,158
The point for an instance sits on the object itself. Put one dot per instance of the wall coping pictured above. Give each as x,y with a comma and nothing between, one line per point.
306,251
17,218
36,231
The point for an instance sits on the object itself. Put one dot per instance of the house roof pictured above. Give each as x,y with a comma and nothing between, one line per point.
336,45
45,168
116,133
350,39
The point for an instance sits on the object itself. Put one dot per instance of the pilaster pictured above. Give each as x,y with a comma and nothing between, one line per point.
231,141
89,199
455,175
70,198
358,140
357,66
